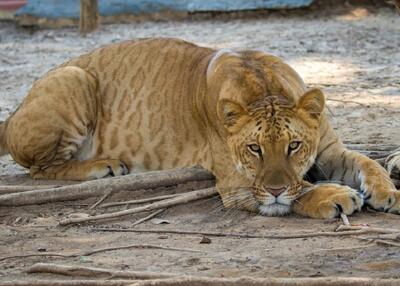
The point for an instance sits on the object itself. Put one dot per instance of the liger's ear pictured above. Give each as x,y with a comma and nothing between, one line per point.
313,101
231,113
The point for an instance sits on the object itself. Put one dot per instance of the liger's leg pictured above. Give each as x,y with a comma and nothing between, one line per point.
53,124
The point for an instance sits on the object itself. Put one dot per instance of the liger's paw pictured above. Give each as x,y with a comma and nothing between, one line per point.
383,200
108,168
380,194
328,201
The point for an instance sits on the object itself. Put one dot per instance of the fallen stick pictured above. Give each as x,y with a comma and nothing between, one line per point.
67,282
182,199
84,190
70,270
150,216
344,218
236,235
140,201
91,252
102,199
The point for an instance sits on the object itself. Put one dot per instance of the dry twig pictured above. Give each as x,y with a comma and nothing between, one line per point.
344,218
22,188
140,201
150,216
132,182
102,199
182,199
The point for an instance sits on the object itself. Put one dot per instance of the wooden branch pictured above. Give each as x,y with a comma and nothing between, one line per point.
72,270
17,189
244,235
140,201
132,182
182,199
150,216
344,218
89,16
67,282
102,199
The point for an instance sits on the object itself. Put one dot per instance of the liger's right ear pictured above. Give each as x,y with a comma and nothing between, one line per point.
232,114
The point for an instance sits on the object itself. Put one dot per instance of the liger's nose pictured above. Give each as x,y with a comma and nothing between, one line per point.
276,192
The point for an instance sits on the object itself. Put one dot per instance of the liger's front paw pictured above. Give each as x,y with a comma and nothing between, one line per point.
328,201
384,200
380,193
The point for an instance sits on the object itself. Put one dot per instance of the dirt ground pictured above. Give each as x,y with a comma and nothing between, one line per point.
353,56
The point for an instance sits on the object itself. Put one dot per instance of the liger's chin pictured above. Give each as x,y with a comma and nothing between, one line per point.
274,209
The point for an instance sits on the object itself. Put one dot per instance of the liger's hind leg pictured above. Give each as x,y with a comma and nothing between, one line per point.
54,123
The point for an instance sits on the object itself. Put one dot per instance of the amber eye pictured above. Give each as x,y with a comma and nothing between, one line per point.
255,149
293,147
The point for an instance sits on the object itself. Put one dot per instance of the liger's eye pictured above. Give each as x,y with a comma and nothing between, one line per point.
255,149
294,146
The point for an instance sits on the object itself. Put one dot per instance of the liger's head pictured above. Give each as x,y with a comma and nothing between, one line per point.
272,135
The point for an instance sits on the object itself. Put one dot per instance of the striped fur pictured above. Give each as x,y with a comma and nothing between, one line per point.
164,103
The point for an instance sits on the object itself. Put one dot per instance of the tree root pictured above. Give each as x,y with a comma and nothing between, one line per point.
88,189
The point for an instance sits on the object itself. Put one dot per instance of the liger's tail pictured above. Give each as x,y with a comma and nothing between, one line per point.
3,143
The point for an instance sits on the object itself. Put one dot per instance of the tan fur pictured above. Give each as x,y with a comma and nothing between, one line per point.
165,103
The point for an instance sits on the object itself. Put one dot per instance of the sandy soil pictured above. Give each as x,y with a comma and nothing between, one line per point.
353,56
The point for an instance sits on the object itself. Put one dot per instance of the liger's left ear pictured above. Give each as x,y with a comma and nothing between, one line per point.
313,101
